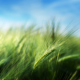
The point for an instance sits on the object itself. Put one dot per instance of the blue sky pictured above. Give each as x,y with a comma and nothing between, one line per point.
18,12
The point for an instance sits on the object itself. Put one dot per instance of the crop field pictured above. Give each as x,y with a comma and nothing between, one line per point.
33,54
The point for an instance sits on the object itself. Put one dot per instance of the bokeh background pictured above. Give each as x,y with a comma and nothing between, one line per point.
15,13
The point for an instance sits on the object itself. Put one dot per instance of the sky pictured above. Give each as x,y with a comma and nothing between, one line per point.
19,12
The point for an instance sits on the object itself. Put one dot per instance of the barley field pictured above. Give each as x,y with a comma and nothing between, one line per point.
37,54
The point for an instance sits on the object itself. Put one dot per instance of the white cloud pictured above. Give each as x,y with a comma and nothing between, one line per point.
41,13
75,0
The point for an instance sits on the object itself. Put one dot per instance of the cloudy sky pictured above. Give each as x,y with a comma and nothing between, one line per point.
18,12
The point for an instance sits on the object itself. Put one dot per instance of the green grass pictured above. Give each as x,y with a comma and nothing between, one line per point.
28,54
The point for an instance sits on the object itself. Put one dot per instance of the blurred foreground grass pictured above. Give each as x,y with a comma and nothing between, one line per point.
28,54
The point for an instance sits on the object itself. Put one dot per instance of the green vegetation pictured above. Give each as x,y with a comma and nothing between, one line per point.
28,54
